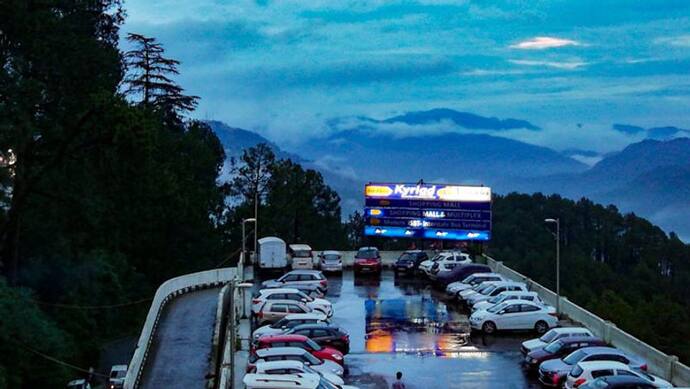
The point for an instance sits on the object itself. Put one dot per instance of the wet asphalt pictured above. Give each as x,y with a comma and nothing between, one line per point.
403,324
180,351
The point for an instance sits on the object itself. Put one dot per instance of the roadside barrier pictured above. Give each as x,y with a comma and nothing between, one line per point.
166,292
666,366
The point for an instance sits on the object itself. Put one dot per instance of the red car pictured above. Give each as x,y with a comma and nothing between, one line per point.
368,260
300,341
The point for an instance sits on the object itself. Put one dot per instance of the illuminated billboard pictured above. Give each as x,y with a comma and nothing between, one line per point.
428,211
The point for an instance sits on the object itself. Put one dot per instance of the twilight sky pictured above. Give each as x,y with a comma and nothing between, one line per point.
573,68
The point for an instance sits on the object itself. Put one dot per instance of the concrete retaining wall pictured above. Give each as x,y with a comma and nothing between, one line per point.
663,365
166,292
233,312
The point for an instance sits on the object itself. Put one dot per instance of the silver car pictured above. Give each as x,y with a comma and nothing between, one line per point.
274,310
331,260
298,277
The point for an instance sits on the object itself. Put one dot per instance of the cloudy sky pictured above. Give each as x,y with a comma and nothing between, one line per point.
573,68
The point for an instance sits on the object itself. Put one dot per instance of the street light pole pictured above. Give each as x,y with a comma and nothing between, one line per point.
232,326
557,236
244,239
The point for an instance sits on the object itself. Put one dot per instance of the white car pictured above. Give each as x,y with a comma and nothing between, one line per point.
425,266
289,381
331,260
301,256
553,334
117,376
446,262
318,304
293,367
467,293
511,295
78,384
473,279
288,322
585,372
514,315
497,288
296,354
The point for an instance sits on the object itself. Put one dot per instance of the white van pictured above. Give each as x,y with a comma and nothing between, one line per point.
272,254
301,256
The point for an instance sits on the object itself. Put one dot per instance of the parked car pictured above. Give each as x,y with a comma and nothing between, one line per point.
425,266
553,334
367,260
447,263
461,272
300,341
116,378
618,382
288,322
289,381
293,367
511,295
585,372
513,315
559,349
470,281
293,354
298,277
273,310
495,289
318,304
408,262
78,384
331,260
554,372
327,335
272,254
314,291
301,256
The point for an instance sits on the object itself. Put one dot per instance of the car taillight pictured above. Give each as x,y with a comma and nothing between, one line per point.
579,382
251,368
256,301
643,367
345,338
554,379
554,314
260,314
323,282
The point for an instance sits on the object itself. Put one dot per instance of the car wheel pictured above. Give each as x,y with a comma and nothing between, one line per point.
541,327
489,327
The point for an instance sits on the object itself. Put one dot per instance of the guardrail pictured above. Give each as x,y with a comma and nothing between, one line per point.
227,362
659,363
166,292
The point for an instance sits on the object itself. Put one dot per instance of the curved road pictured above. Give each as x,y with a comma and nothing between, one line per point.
181,349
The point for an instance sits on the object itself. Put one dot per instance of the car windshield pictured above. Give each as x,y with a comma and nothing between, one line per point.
553,347
304,296
574,357
488,289
497,308
468,279
406,257
280,323
312,359
331,257
313,345
496,299
325,384
302,253
549,336
118,374
367,254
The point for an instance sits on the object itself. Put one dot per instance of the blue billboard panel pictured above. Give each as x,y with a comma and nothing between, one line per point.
432,211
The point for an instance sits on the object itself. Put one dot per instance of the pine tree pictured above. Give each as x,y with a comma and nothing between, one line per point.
150,73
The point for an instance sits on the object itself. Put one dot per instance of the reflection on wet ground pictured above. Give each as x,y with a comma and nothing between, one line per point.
402,324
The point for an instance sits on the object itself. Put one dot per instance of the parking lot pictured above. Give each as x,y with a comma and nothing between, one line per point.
402,324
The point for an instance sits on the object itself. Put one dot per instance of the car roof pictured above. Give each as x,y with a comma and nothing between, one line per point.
599,365
300,246
77,382
367,248
484,274
118,367
601,350
334,252
268,352
413,251
270,239
564,330
283,338
278,290
518,293
301,316
283,302
623,379
279,365
302,380
578,338
303,272
316,325
514,302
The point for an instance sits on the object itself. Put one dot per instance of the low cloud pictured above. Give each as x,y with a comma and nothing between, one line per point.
677,41
565,65
543,42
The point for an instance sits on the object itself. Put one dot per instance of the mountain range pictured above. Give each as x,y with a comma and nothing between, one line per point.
651,178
